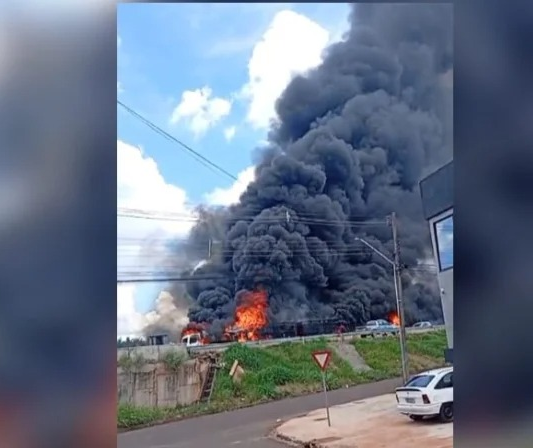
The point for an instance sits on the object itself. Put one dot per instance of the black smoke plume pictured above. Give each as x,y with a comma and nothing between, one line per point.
354,137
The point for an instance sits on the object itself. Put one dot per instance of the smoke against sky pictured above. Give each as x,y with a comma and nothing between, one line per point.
355,135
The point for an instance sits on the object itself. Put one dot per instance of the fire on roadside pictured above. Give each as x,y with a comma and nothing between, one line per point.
194,328
250,317
393,318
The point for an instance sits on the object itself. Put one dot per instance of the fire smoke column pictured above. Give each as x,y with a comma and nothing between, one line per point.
354,137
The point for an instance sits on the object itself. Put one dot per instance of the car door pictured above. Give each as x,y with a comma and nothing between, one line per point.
444,389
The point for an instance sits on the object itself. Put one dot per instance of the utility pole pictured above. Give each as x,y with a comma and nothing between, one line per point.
395,264
209,250
399,296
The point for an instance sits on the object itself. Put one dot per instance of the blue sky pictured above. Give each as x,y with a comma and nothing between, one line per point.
217,69
445,242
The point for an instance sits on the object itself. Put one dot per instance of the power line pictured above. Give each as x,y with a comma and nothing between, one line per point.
184,217
199,157
129,272
310,221
163,242
166,279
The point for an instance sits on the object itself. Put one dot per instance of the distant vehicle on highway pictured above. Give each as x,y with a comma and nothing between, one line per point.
381,326
428,394
423,324
192,340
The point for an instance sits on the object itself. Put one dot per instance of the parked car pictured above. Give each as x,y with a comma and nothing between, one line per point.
381,326
423,324
428,394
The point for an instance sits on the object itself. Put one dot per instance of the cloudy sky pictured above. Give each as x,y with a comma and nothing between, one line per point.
208,74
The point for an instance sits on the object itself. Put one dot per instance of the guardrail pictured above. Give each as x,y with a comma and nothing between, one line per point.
268,342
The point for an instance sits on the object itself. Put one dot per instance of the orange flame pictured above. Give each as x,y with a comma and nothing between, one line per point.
393,318
194,328
250,316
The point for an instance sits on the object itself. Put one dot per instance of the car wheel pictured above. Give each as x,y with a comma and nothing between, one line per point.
446,412
416,418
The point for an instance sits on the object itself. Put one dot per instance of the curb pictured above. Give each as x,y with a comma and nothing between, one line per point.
294,442
291,441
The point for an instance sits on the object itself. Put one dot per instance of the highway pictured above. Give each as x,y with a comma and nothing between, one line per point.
277,341
244,428
156,351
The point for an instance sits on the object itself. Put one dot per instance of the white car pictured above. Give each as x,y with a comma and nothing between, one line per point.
424,324
428,394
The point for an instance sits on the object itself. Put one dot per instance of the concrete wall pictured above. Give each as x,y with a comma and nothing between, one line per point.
445,279
154,385
151,352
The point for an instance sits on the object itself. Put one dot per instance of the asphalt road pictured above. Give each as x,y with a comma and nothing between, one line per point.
244,428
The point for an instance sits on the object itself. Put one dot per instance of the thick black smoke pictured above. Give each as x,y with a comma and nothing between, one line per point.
354,138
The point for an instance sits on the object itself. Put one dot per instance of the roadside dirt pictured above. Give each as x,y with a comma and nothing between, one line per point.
372,423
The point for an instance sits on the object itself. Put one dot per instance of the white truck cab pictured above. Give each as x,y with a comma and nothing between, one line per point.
191,340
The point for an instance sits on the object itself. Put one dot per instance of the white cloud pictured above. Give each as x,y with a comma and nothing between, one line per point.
129,321
119,87
445,239
231,195
292,44
119,41
229,133
140,185
142,243
200,110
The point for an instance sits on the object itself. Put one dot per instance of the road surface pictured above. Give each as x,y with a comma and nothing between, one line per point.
244,428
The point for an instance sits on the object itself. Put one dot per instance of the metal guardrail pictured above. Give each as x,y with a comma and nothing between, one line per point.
268,342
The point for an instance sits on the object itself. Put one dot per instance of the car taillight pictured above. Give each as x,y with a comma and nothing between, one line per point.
425,399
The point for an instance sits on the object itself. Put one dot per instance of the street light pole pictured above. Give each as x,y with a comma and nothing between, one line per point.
399,297
397,290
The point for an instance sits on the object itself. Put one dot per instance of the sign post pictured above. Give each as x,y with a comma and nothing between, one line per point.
322,359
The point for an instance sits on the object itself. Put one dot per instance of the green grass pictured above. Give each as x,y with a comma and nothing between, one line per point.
280,371
289,370
425,350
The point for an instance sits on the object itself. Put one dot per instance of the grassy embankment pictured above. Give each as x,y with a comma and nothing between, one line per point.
288,370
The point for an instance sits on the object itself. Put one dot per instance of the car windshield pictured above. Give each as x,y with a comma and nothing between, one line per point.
372,322
420,381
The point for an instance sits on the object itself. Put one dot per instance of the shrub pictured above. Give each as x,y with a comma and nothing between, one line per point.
173,360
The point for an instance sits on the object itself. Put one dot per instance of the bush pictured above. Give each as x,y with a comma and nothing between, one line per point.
132,416
173,360
131,361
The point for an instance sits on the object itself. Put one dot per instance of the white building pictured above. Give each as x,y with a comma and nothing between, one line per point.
437,201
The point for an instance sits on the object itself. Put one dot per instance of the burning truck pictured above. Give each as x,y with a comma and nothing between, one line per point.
250,321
